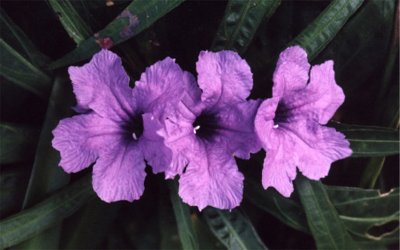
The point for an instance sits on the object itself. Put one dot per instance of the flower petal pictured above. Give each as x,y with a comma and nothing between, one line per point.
224,77
163,83
80,138
291,71
212,181
103,86
119,173
179,135
317,147
157,155
237,128
320,99
279,169
264,122
330,95
301,142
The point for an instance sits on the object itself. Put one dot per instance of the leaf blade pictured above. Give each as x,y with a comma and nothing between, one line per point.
367,141
241,21
182,215
17,142
325,225
138,16
29,222
324,28
73,24
20,71
233,229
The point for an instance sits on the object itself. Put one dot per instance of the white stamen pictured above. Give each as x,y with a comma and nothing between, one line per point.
276,126
134,136
196,128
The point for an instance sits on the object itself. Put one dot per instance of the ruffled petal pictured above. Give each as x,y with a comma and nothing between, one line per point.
224,77
264,123
162,84
320,99
299,142
119,173
317,147
79,140
291,71
237,128
279,169
179,136
102,85
157,155
213,180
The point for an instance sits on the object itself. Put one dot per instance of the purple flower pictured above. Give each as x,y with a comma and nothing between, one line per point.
290,124
118,127
209,127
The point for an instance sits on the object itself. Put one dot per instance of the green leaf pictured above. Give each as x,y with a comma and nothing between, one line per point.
240,23
46,176
233,229
76,28
12,34
139,15
325,225
286,210
92,222
168,223
13,182
32,221
359,47
371,172
20,71
325,27
182,214
361,210
367,141
17,142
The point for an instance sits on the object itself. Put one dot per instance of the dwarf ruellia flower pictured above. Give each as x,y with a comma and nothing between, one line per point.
210,126
290,124
117,126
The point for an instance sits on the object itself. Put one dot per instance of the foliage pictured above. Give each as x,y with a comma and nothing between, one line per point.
42,207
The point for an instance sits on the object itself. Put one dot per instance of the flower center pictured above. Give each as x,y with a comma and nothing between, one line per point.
281,114
134,127
205,126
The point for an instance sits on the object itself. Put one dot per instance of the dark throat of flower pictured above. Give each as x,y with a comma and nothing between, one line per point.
206,126
134,127
281,114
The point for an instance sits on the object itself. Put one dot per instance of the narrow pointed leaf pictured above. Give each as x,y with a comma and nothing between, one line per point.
361,210
12,34
17,142
325,27
73,24
46,176
325,225
13,182
32,221
183,219
233,229
368,141
20,71
240,23
92,222
169,235
138,16
286,210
